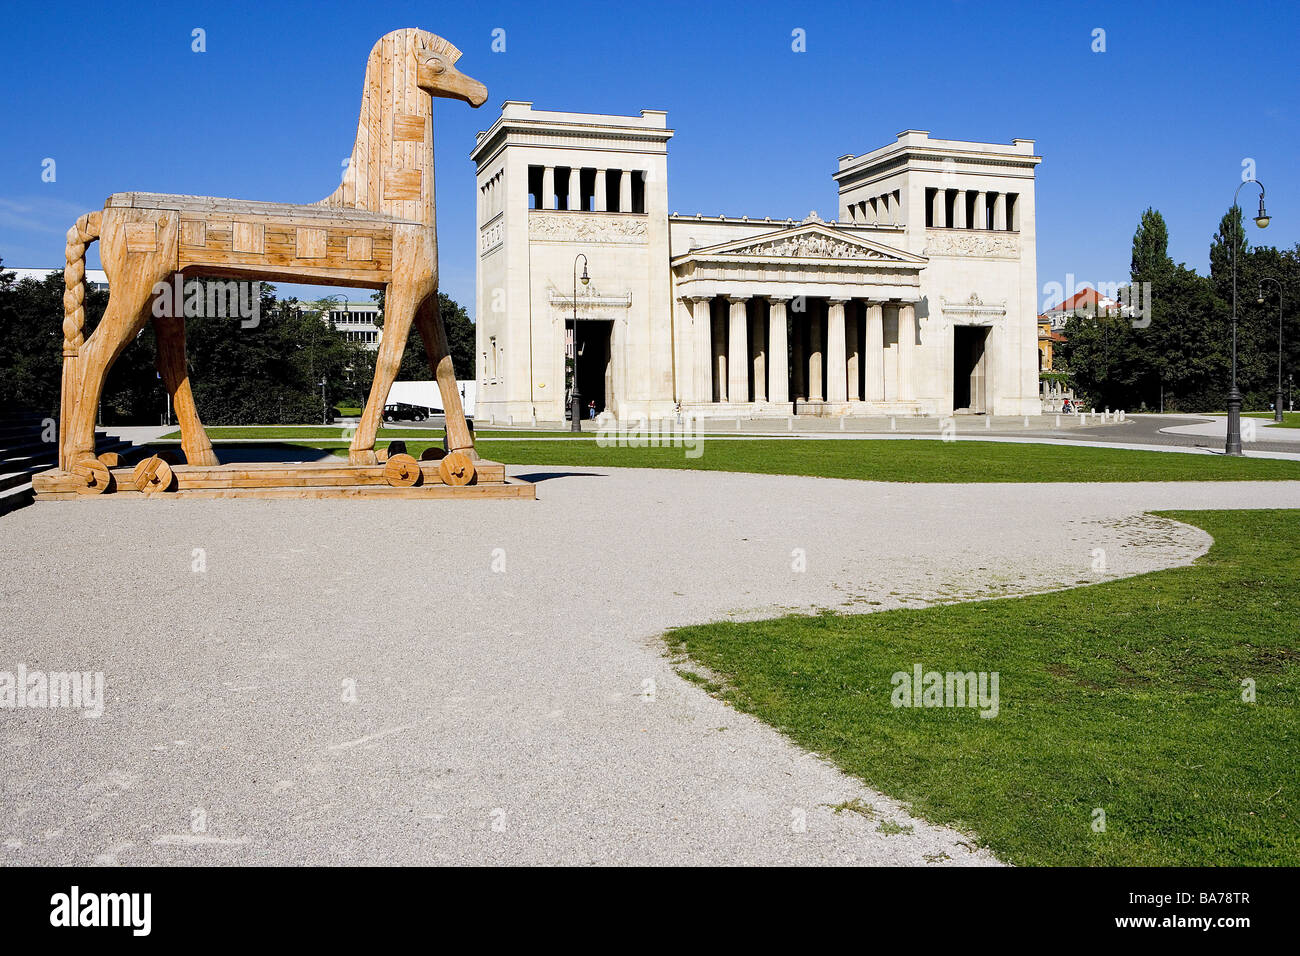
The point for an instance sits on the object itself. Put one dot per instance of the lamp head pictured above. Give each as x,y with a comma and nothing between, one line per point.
584,277
1262,219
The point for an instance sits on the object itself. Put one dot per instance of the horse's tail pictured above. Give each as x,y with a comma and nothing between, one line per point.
83,232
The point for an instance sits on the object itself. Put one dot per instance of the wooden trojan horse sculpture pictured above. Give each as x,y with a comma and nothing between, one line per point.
377,230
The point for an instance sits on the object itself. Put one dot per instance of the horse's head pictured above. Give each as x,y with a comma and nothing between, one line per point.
437,75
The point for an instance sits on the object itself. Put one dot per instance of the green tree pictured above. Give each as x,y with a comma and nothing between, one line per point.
460,341
1150,260
31,353
270,373
1221,250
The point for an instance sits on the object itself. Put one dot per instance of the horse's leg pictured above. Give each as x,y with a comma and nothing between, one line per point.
399,310
170,332
434,333
135,263
412,280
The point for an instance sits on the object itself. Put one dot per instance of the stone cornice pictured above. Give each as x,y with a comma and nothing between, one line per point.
973,307
812,242
524,132
558,300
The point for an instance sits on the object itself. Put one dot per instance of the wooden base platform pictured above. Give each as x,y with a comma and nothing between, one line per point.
317,479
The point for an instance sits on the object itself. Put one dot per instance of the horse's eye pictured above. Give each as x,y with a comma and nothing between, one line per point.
436,64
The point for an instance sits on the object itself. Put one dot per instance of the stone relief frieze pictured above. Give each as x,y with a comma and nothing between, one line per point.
574,227
958,243
812,246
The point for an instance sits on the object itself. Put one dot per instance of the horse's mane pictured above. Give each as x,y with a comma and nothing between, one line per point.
360,188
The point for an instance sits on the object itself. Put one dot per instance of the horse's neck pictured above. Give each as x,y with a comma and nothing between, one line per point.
391,168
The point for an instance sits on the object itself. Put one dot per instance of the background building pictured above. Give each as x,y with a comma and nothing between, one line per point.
95,278
919,300
356,320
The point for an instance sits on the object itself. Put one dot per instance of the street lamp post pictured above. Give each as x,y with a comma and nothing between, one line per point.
324,413
1233,444
1277,405
575,400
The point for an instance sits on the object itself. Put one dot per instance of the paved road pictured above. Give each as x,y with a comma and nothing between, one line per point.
500,716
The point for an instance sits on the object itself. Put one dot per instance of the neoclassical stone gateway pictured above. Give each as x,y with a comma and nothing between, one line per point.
919,300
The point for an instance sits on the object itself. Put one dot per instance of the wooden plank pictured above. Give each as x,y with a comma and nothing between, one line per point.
360,249
278,475
402,184
249,237
408,128
141,236
194,232
511,488
246,207
309,243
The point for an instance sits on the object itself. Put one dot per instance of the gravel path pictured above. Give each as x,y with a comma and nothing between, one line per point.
523,715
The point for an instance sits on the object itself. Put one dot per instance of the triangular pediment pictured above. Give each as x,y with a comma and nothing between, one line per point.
809,240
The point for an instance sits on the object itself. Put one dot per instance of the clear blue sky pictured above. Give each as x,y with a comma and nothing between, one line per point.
1183,93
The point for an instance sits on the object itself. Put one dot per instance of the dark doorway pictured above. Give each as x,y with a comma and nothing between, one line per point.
969,365
595,346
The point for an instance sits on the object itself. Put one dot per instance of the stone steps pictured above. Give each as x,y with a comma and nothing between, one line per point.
24,454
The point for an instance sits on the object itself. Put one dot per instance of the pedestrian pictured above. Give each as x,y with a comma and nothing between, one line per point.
591,409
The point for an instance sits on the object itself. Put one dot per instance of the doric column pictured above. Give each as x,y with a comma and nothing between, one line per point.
874,353
836,380
599,204
816,392
575,188
999,210
719,332
936,208
981,210
778,362
625,191
758,350
703,349
906,350
738,352
548,187
852,362
959,210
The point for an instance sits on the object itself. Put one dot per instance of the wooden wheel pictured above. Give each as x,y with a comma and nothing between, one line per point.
401,471
152,475
111,459
456,469
433,453
94,473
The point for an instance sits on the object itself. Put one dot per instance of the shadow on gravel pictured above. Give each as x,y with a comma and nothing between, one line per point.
535,477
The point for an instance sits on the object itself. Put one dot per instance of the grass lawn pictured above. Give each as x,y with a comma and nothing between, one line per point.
1124,696
1289,419
916,460
865,459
